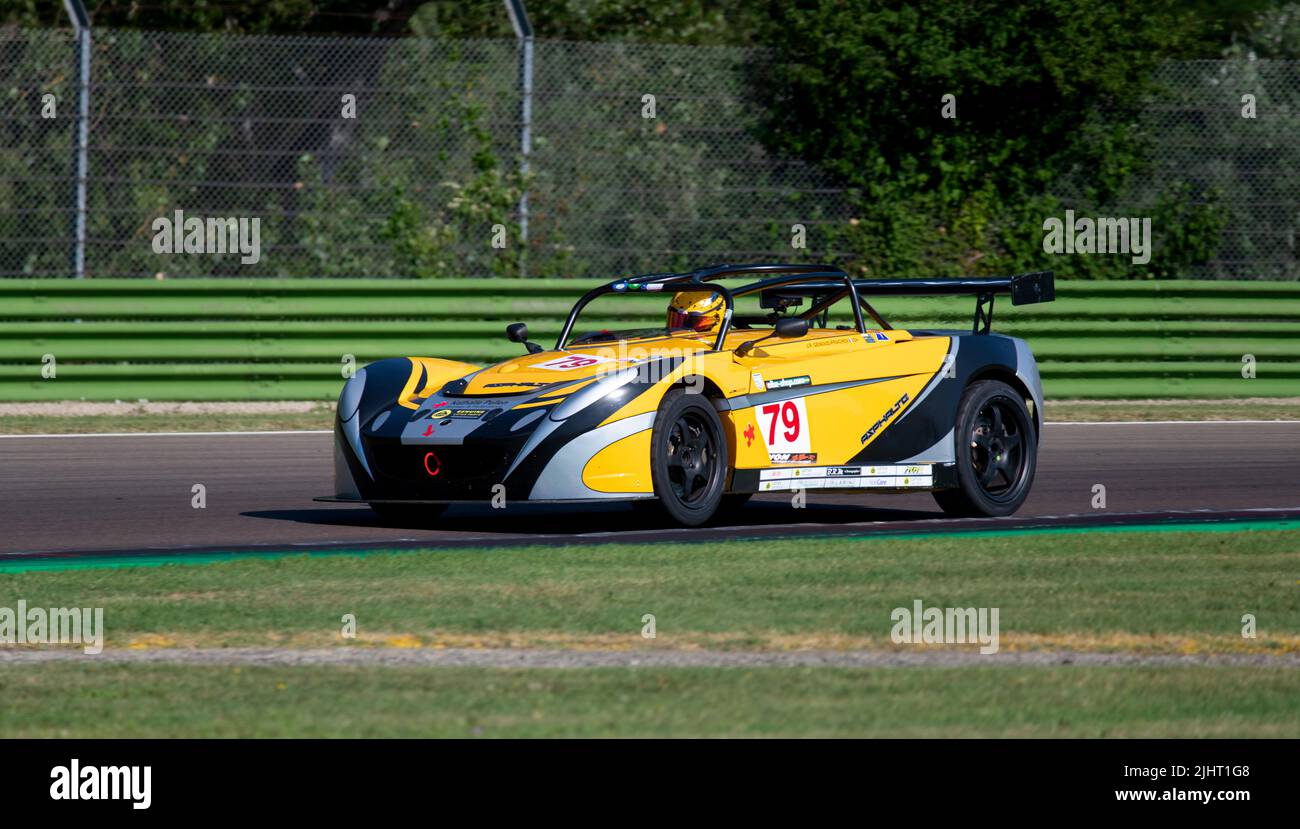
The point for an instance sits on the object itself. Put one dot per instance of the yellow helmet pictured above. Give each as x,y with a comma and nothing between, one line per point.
699,311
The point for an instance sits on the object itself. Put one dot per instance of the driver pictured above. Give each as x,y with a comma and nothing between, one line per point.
698,311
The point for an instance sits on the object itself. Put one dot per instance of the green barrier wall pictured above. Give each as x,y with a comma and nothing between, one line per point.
232,339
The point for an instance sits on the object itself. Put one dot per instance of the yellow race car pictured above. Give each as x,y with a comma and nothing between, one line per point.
788,381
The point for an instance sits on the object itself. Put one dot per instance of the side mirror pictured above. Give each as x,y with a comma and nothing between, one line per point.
517,332
787,328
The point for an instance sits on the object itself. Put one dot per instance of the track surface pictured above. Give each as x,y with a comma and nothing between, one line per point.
133,493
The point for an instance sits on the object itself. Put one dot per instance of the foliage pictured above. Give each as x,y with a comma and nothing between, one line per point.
1046,101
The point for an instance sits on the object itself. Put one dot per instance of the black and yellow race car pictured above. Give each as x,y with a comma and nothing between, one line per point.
788,381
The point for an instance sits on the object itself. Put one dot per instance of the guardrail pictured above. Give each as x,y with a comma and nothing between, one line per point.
228,339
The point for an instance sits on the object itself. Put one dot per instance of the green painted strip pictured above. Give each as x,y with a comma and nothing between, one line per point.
93,562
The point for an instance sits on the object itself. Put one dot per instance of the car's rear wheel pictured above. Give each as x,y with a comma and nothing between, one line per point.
408,515
688,458
997,452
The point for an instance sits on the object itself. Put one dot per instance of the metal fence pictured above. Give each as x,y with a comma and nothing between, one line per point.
424,180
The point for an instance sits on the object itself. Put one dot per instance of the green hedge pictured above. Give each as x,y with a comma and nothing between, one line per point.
227,339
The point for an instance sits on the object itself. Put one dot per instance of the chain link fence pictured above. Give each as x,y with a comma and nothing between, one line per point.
400,157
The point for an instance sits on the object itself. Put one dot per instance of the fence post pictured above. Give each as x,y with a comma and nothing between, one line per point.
81,27
524,34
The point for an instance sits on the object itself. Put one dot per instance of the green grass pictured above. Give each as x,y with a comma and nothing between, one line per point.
1169,591
87,700
1173,591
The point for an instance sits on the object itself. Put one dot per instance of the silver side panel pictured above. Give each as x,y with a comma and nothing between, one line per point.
561,480
943,451
1027,371
746,401
344,486
349,400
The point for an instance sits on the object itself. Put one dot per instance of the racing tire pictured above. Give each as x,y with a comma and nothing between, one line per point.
409,515
997,453
688,458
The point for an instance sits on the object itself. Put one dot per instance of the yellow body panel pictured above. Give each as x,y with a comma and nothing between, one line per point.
623,466
435,372
821,427
827,426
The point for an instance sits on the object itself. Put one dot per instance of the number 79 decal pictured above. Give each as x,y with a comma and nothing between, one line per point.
785,426
572,362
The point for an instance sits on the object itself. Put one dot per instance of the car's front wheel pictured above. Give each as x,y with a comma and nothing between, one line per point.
997,452
688,458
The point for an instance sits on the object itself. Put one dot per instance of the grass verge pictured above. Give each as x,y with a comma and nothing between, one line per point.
167,701
1165,592
1175,592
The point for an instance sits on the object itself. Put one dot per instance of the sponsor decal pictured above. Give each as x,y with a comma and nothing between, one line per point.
881,337
513,385
916,476
893,410
784,425
832,341
749,435
428,430
794,457
758,381
572,362
440,411
789,382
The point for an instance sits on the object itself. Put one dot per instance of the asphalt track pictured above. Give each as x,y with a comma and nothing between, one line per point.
81,494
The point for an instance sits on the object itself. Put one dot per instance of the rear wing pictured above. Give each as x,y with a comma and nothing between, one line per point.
1024,288
786,280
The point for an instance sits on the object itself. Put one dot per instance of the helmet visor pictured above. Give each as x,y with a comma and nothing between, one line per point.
690,320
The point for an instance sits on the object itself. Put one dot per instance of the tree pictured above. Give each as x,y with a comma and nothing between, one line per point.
1046,98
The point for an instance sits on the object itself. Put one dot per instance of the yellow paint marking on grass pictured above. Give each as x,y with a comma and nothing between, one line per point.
149,641
1102,642
404,640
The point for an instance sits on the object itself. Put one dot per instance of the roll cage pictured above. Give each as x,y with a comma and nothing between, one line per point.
826,285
